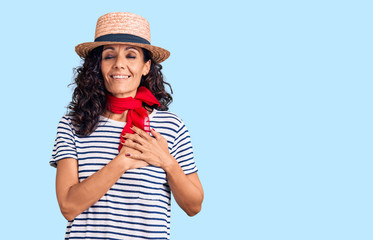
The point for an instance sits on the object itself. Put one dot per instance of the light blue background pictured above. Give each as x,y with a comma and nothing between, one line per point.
276,94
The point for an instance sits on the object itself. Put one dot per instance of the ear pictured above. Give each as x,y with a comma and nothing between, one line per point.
146,68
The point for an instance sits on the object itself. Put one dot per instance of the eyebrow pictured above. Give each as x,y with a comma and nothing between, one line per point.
127,48
111,48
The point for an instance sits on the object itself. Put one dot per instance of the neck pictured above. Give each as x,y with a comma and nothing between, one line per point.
122,117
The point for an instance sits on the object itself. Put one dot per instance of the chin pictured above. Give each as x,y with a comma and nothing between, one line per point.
123,94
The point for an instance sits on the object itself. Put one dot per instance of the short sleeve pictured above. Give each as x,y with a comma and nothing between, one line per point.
64,145
182,150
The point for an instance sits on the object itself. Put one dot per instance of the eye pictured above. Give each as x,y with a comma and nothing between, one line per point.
131,56
108,57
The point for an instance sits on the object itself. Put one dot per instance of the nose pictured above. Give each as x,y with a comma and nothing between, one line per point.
120,62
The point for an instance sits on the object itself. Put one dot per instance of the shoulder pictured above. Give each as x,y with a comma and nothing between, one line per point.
166,117
66,118
66,122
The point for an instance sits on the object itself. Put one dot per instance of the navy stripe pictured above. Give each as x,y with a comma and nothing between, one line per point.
193,170
166,117
182,156
62,145
67,123
133,191
182,161
186,149
67,118
146,174
161,123
178,149
64,138
188,165
137,179
115,233
62,152
90,170
166,113
60,157
106,142
180,144
107,131
135,197
141,186
119,221
65,126
166,128
92,164
93,136
120,196
154,169
106,238
181,135
98,152
123,215
92,158
119,227
134,204
95,147
128,210
166,134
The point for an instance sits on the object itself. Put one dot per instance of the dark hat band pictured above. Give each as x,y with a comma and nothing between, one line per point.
122,37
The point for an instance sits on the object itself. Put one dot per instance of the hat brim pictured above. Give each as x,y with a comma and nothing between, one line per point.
158,54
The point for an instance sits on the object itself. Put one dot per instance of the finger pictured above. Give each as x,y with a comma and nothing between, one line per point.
156,134
134,145
133,155
159,137
134,138
137,156
126,149
140,132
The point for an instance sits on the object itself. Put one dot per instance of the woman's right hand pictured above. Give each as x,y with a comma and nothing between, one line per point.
131,163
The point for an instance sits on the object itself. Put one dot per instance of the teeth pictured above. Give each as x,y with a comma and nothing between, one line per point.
120,77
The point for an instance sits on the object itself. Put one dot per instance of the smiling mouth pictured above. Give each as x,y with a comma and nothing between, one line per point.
120,76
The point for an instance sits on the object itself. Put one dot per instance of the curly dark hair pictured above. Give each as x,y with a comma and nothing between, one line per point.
89,96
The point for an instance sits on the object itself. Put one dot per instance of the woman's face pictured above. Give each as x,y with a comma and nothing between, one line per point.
122,67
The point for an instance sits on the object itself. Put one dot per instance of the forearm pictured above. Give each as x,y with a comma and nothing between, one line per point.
80,196
187,189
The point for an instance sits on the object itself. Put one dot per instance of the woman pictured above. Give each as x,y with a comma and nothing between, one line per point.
118,152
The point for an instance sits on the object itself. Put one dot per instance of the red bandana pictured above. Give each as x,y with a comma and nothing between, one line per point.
137,115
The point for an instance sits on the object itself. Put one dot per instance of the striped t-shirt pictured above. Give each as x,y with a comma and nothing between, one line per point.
137,206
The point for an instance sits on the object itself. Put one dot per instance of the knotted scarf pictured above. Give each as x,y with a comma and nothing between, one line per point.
136,115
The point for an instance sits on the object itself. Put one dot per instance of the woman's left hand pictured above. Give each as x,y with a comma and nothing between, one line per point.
186,189
152,150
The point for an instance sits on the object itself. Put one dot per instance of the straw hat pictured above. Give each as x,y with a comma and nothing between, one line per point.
123,28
